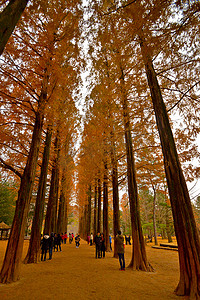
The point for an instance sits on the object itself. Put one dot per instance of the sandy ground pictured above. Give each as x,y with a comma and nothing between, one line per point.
76,274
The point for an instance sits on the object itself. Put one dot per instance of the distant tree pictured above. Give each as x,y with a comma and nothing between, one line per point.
8,196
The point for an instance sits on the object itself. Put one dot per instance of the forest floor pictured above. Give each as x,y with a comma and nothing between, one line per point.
76,274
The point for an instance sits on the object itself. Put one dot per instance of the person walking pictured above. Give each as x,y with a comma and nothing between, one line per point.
120,250
110,241
55,246
65,237
91,239
98,245
51,245
45,246
58,241
70,238
77,240
103,246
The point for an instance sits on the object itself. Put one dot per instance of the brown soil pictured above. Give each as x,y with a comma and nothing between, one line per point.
76,274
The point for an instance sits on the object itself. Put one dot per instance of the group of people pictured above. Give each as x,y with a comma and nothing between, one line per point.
99,241
49,243
128,239
64,237
54,241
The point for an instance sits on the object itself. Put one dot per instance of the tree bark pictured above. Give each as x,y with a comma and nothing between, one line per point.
51,214
54,220
95,210
89,211
169,236
99,206
139,258
33,255
85,234
184,222
61,224
105,207
8,20
154,216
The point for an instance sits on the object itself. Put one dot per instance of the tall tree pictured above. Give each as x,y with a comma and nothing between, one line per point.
39,62
33,255
99,206
105,205
11,263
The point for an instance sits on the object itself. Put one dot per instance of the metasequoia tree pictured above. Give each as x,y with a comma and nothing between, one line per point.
66,188
185,227
105,108
139,259
186,232
91,162
34,249
144,18
8,20
52,206
105,204
68,119
10,268
95,209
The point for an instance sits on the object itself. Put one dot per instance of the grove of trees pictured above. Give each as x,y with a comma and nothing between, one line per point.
134,134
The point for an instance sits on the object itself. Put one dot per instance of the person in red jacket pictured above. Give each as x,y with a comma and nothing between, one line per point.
65,237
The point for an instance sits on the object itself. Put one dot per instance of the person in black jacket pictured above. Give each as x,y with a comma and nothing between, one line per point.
58,241
45,246
51,245
77,240
98,245
103,246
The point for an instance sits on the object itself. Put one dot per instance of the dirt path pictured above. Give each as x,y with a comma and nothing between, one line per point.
76,274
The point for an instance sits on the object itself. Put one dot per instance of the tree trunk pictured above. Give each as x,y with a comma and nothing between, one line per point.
89,211
105,207
11,264
33,255
99,206
184,222
95,211
56,195
85,234
139,258
48,226
61,227
81,222
8,20
50,219
169,236
154,216
116,214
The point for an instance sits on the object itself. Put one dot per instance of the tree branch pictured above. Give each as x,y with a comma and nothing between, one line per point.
8,167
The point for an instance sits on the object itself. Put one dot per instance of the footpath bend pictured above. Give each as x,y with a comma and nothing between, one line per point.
76,274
